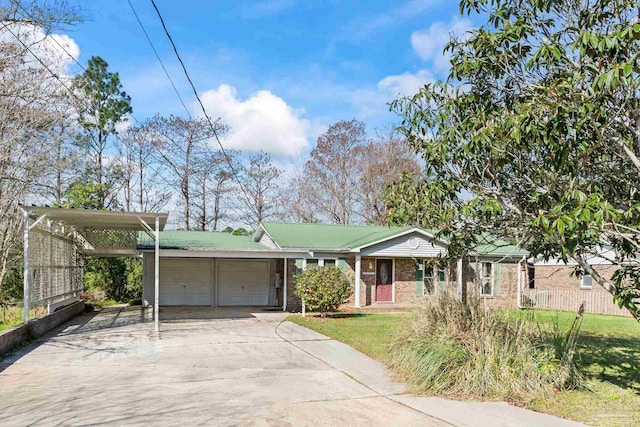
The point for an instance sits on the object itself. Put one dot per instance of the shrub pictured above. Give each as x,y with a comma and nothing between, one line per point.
466,350
323,289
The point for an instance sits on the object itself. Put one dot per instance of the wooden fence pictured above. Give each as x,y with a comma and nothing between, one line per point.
595,301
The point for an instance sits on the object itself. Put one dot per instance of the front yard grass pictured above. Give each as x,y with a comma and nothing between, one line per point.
608,351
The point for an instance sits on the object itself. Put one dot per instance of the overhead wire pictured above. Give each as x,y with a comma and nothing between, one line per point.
175,89
204,110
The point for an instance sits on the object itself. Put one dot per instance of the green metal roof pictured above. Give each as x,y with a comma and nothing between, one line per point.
200,240
304,236
328,236
488,245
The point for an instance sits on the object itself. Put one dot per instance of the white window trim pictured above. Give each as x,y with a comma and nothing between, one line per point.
492,279
589,280
320,262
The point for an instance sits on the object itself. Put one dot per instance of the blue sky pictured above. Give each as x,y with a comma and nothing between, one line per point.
278,71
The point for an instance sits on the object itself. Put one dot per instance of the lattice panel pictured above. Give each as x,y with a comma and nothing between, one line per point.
110,239
56,267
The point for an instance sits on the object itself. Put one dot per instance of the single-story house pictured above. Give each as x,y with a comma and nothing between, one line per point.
385,265
554,284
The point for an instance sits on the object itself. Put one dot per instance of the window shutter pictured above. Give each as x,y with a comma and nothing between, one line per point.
419,279
298,265
496,279
342,264
442,279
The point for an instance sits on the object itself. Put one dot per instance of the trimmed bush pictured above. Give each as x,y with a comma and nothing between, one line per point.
323,289
465,350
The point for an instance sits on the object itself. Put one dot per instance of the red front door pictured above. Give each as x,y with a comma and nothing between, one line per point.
384,280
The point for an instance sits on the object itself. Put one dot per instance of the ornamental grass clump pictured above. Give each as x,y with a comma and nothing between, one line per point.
323,289
465,350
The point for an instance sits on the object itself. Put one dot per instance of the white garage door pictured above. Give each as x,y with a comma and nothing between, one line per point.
243,282
186,281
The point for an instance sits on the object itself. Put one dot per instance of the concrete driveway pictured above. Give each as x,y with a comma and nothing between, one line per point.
212,366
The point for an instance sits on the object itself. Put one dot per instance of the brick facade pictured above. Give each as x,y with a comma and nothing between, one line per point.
405,282
563,277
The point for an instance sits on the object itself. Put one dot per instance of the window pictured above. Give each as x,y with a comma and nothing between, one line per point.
428,278
586,282
320,262
486,278
311,263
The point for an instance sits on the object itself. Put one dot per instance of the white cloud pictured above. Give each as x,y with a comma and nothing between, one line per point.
375,103
405,84
56,51
264,121
429,43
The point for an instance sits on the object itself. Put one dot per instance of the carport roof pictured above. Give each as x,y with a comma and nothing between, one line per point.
99,219
200,241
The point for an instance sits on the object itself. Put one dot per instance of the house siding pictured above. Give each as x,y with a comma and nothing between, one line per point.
400,247
268,242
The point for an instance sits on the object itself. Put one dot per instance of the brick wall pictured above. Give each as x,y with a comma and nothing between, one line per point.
405,282
548,277
293,302
508,284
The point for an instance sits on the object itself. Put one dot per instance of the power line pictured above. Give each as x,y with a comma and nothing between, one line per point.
55,75
135,119
175,89
195,92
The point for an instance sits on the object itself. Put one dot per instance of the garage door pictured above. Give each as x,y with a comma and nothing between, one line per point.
186,281
243,282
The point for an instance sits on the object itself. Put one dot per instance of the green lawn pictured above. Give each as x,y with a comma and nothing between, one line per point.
609,354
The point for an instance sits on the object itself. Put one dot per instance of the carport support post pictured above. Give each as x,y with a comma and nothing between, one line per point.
25,315
357,284
156,303
285,284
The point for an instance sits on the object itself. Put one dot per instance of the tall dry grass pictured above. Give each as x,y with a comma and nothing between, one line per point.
11,315
464,350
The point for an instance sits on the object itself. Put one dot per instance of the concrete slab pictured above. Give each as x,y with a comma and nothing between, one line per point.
482,414
290,331
236,366
226,367
364,369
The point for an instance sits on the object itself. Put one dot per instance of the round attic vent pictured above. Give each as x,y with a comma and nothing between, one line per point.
413,243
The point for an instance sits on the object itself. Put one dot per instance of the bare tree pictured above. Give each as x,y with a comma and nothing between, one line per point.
331,176
29,91
180,143
381,162
143,186
213,179
258,185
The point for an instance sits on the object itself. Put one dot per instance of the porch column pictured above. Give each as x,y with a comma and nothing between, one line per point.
156,304
285,284
357,283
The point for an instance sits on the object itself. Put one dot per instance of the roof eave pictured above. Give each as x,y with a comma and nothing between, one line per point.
400,234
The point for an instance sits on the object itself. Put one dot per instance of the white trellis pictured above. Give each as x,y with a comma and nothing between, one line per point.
55,266
56,241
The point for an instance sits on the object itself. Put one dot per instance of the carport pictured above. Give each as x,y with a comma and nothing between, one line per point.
56,239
